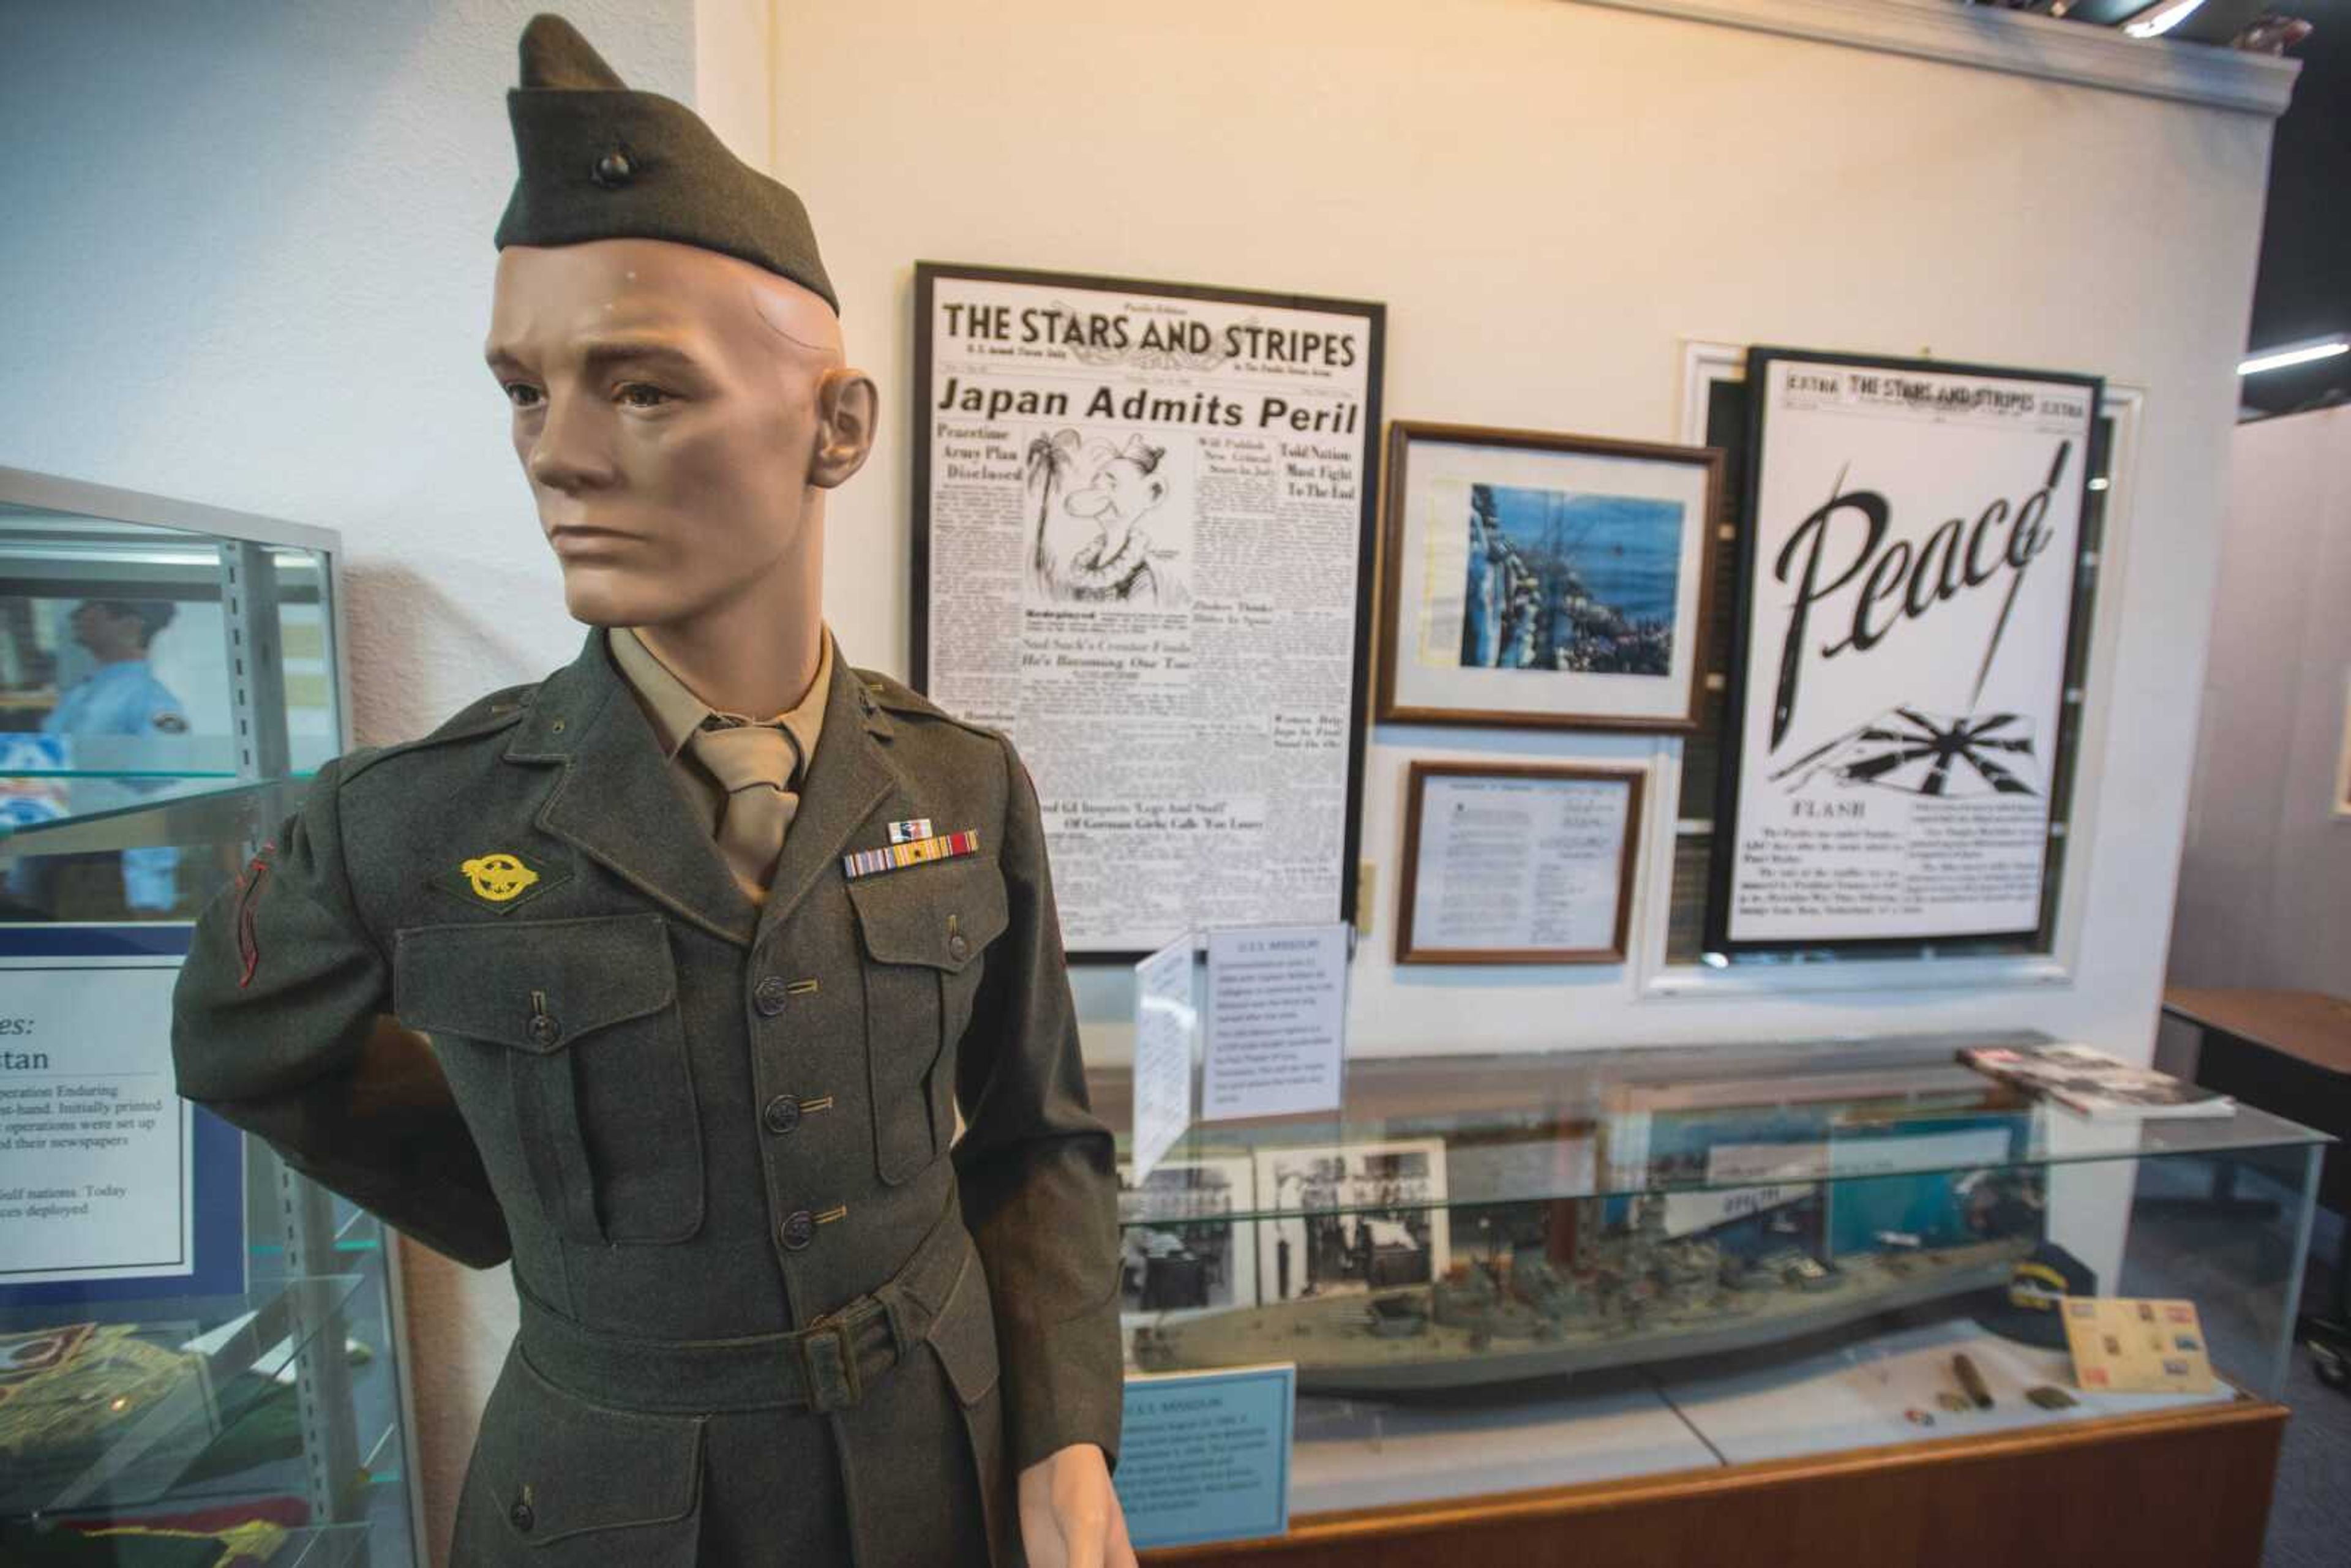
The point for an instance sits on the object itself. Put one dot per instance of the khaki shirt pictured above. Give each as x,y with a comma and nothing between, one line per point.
675,713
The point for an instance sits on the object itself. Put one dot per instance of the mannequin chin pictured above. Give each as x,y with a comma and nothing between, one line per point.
679,415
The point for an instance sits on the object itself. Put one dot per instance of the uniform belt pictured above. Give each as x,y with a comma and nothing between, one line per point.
825,1366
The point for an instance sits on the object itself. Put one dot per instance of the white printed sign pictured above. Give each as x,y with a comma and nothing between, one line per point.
95,1145
1277,1025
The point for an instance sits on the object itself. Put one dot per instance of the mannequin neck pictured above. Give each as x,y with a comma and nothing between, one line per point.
756,652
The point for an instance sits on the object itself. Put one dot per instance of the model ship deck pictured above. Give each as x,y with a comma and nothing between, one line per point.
1430,1337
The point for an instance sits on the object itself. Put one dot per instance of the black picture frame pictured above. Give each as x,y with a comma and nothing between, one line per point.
1725,834
928,275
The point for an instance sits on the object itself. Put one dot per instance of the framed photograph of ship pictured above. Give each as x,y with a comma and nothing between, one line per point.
1518,864
1544,581
1910,565
1183,1251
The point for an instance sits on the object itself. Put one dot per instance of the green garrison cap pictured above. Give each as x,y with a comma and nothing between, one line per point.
600,161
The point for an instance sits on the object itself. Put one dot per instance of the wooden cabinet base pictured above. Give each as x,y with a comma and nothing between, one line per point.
2189,1485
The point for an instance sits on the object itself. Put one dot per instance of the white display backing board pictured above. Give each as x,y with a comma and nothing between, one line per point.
96,1147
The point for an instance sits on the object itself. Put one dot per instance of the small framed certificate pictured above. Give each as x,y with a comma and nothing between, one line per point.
1518,864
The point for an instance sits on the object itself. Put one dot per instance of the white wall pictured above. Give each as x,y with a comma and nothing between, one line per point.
2265,882
1552,198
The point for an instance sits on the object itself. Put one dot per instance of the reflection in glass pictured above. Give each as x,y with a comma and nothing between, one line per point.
142,668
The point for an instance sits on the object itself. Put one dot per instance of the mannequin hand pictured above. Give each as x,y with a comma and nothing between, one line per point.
1070,1517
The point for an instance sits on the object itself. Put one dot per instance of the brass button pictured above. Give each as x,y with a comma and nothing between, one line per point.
614,170
768,996
799,1230
958,946
521,1516
781,1115
544,1029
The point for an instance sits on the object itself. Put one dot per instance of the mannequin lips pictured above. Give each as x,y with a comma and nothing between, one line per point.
579,542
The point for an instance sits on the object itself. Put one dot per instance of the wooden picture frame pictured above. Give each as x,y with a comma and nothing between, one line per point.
1523,782
1552,630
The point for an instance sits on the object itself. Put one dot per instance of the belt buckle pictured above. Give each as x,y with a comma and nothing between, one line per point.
829,1360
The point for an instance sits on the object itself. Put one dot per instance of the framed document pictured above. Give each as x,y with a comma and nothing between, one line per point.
1143,544
1518,864
1557,581
1907,581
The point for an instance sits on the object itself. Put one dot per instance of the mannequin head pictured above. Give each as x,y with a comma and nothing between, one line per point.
679,414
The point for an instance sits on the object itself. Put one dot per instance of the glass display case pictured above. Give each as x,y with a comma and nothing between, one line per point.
1495,1273
201,1357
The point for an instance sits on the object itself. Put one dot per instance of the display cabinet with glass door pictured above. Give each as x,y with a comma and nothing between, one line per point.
201,1358
1495,1273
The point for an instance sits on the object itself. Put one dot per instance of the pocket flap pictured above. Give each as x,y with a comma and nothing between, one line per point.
939,915
535,985
555,1467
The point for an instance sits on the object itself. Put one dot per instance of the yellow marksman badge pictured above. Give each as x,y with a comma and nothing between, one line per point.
500,880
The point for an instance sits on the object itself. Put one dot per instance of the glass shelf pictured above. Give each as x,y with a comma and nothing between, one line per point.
159,857
307,1546
140,1403
187,810
1617,1123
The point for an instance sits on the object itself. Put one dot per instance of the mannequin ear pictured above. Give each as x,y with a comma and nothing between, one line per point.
846,408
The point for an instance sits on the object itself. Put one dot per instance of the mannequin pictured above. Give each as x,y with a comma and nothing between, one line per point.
773,1310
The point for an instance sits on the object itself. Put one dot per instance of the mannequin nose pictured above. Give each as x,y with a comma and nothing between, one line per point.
570,454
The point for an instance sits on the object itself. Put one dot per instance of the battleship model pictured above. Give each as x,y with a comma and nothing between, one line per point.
1601,1296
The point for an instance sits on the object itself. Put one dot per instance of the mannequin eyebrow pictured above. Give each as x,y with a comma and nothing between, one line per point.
601,354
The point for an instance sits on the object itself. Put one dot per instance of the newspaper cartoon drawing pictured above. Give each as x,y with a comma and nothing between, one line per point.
1094,548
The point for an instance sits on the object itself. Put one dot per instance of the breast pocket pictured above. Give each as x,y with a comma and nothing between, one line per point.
924,929
581,1019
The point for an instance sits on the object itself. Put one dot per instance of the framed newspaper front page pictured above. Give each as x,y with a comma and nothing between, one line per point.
1908,574
1142,546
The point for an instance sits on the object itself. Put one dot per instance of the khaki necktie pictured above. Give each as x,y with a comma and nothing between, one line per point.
754,764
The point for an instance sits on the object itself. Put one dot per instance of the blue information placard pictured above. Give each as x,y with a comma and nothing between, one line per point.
1205,1455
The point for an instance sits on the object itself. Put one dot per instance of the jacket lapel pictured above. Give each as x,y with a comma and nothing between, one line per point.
849,776
616,802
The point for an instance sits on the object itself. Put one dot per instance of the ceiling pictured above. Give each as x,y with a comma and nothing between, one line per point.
2303,290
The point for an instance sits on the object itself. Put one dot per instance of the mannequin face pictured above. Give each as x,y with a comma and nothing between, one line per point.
678,414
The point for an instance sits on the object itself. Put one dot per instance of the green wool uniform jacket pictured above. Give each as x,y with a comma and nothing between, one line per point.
697,1125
